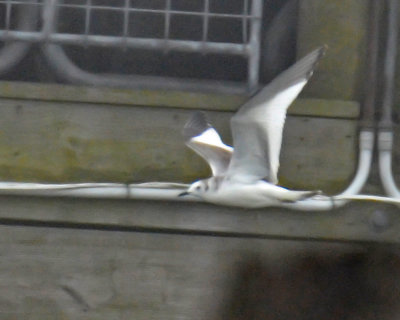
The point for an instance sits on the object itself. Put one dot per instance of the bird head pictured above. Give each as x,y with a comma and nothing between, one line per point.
196,189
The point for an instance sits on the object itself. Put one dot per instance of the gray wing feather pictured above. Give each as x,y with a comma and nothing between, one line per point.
258,125
201,137
196,125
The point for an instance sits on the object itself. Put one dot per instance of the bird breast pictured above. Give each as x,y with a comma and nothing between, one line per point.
256,195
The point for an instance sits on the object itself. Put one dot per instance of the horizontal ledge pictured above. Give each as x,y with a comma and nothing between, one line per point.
167,98
325,108
353,223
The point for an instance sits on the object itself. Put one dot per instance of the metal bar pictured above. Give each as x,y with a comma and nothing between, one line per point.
167,18
18,2
142,43
177,12
125,30
254,43
245,21
205,19
36,3
49,17
126,19
143,10
88,10
8,15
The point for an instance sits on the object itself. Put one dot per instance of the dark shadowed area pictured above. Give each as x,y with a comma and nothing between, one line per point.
353,286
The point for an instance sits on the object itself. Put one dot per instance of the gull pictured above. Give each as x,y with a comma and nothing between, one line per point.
247,175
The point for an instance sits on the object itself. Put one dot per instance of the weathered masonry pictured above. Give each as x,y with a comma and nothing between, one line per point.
65,119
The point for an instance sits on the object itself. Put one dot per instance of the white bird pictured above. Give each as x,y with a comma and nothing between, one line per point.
246,175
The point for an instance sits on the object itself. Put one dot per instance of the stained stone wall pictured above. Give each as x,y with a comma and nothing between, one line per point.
66,258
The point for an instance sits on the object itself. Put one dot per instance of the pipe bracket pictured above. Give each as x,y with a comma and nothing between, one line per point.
385,140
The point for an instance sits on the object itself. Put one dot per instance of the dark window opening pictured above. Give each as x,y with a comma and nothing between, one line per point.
195,21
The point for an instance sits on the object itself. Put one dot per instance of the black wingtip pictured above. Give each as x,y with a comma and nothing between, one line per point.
196,125
321,51
315,55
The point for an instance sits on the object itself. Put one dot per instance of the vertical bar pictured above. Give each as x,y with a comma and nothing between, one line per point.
126,18
254,45
167,19
49,17
205,20
245,20
87,16
389,68
370,84
126,24
8,14
88,11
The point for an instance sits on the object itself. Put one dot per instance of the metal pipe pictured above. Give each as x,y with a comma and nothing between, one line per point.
385,135
366,146
13,52
131,42
385,145
367,135
389,66
370,85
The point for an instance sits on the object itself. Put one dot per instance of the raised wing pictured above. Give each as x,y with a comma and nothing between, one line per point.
205,141
258,125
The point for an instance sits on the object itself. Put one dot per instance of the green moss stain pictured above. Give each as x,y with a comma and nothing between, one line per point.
59,157
71,142
343,26
115,96
76,159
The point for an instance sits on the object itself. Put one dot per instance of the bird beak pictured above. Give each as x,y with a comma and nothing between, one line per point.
185,193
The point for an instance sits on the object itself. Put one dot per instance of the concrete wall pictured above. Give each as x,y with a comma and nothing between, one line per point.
108,259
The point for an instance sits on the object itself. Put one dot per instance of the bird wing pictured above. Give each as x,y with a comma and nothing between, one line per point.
205,141
258,125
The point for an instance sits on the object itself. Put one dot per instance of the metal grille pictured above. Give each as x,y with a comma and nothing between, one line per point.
198,26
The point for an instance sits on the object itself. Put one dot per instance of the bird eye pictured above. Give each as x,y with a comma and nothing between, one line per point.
198,188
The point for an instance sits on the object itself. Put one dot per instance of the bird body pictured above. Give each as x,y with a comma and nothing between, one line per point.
246,175
246,195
